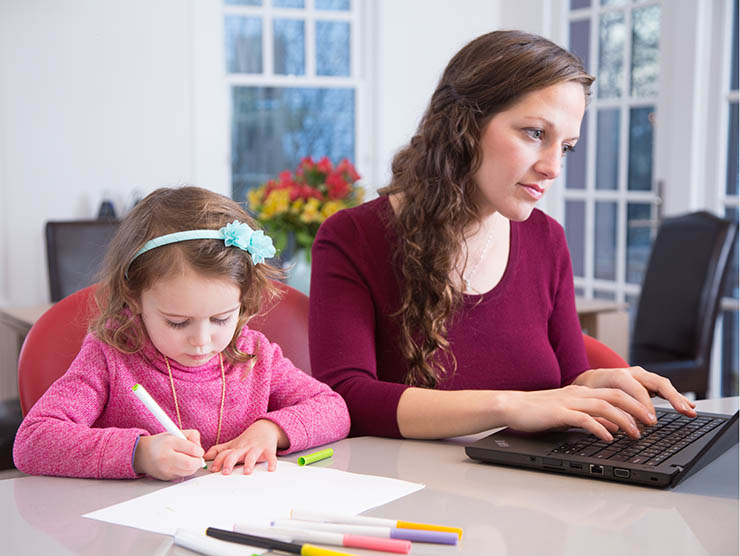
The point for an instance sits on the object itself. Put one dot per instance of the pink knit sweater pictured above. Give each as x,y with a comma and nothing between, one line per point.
88,422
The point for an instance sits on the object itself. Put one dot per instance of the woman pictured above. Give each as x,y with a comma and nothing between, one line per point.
446,306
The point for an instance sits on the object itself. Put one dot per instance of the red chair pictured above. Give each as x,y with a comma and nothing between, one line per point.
601,356
55,339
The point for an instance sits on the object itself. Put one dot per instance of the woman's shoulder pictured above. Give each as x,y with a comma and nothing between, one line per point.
540,226
368,215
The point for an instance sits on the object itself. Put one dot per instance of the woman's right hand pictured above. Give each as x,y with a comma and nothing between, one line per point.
165,456
601,411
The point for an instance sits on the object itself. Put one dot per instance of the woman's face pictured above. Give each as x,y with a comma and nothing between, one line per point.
523,149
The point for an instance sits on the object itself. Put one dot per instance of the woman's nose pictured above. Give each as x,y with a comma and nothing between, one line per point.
550,162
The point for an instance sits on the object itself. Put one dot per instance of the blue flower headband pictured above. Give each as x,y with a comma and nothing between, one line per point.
237,234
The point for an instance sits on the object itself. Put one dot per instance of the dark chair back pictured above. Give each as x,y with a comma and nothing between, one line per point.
681,291
75,250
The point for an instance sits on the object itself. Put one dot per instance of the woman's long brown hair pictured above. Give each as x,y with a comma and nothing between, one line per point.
165,211
434,176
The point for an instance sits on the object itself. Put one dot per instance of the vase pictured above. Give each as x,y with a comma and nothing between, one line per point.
298,271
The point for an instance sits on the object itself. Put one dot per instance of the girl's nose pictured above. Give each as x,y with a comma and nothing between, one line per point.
200,336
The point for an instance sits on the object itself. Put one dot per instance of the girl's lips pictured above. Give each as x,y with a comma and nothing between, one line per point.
534,191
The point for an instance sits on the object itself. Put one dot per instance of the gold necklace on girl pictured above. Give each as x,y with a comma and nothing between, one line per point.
223,395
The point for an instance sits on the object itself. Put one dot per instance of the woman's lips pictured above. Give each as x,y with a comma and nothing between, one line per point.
534,191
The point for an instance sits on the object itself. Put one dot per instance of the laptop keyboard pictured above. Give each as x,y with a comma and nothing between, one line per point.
671,434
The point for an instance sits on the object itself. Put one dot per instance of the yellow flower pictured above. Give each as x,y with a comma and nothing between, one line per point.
311,211
255,197
297,206
277,202
330,208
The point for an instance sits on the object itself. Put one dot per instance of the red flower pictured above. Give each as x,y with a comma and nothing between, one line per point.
324,165
345,166
337,186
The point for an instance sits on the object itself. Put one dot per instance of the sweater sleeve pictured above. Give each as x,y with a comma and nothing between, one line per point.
58,436
307,410
342,324
564,327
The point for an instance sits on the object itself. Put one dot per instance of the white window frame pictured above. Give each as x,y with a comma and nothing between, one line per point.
212,84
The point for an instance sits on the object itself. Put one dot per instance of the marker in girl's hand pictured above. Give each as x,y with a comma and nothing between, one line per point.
159,414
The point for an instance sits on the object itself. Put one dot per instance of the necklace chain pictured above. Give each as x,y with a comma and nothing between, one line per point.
471,274
223,395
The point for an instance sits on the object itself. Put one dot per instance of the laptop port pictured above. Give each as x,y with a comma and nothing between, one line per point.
595,469
621,473
575,465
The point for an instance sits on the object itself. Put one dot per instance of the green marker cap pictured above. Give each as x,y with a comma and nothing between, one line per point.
317,456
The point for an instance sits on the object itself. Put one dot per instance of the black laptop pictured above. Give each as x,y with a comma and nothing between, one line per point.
667,452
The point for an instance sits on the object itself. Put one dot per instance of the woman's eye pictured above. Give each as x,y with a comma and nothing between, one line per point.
535,133
177,324
568,148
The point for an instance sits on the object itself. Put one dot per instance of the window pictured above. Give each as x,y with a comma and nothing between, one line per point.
292,70
728,199
609,185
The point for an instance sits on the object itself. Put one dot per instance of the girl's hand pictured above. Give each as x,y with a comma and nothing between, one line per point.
165,456
601,411
258,443
640,384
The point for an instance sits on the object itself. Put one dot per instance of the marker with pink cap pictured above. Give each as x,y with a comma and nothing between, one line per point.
323,537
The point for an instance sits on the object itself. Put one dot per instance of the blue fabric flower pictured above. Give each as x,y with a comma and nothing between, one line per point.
245,238
261,247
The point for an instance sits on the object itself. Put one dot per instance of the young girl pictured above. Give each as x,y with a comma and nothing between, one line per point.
183,276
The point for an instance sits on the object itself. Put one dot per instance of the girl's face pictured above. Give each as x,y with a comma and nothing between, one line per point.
523,149
189,317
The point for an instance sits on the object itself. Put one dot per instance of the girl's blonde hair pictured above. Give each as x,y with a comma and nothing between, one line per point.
165,211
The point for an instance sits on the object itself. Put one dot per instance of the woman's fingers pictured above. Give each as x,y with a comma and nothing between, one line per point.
665,389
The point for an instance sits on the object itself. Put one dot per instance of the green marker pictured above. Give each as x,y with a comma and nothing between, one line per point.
317,456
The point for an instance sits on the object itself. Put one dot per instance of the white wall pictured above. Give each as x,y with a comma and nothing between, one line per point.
414,41
104,96
96,96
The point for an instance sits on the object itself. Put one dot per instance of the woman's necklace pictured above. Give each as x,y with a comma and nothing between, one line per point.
223,395
471,274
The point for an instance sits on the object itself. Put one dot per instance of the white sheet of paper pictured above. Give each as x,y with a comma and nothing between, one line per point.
218,500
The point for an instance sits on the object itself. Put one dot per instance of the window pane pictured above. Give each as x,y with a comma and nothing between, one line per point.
575,233
632,301
342,5
274,128
731,283
611,54
613,2
638,241
580,37
607,149
605,255
640,171
243,38
289,3
733,57
578,4
289,46
645,35
575,164
243,2
605,294
332,48
730,334
732,150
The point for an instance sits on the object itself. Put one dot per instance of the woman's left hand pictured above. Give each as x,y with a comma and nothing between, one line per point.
640,384
258,443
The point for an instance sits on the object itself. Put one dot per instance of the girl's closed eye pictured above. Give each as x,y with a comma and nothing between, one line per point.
221,321
173,324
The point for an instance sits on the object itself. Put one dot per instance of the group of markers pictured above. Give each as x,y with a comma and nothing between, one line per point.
288,535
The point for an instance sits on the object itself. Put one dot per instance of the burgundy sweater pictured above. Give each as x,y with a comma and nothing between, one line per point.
523,334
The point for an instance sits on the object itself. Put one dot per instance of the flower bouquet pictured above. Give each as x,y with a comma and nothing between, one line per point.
297,203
